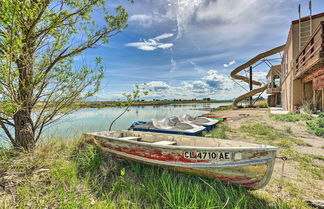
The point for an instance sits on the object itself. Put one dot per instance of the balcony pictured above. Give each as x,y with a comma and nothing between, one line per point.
273,90
311,57
274,80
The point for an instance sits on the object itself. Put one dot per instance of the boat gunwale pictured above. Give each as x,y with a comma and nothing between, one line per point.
143,143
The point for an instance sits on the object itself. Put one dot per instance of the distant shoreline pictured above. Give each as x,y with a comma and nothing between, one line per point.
102,104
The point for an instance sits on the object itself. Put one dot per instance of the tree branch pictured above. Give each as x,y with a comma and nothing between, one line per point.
3,126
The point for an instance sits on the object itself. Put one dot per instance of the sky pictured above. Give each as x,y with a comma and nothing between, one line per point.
185,49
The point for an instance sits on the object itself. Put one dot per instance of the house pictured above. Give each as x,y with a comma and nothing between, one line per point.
302,67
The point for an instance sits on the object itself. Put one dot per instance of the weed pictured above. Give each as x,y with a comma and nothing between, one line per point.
223,108
317,126
288,130
318,157
291,117
261,104
220,131
263,131
272,135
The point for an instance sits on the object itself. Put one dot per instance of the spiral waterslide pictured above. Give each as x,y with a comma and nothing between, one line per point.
263,86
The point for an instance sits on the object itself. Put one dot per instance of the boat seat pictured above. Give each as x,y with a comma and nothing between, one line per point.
165,143
132,138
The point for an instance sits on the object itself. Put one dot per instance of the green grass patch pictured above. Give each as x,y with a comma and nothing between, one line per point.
219,131
307,163
291,117
318,157
317,126
271,135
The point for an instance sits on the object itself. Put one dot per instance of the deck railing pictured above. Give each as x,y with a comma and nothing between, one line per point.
313,48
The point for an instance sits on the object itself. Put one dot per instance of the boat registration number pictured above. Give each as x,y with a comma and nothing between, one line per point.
208,155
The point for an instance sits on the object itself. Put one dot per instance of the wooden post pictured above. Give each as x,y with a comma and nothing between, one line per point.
322,102
303,92
251,84
314,100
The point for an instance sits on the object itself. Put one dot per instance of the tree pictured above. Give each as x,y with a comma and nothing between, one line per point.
39,81
130,99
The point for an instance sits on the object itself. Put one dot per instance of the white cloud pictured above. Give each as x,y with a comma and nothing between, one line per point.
226,20
152,43
214,84
142,46
230,63
163,36
200,87
157,86
173,65
143,19
218,81
259,76
197,68
165,46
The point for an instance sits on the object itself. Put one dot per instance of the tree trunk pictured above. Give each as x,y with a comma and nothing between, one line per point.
24,134
24,126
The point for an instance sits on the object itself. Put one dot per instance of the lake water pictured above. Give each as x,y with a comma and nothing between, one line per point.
89,120
93,119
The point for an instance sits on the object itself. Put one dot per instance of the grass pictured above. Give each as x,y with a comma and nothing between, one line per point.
257,104
261,104
271,135
219,132
318,157
80,175
306,162
317,126
291,117
223,108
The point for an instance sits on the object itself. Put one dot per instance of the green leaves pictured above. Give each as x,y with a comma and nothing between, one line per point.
8,109
38,41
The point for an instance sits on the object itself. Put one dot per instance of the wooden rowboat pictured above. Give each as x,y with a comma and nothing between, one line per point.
236,162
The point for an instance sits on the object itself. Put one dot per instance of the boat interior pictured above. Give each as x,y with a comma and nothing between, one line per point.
169,124
173,139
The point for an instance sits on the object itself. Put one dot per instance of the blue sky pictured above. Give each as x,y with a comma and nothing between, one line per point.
187,48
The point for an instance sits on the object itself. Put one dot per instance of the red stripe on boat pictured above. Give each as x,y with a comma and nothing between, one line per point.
153,154
250,184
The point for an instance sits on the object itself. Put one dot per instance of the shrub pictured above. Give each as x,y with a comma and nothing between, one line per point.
261,104
317,126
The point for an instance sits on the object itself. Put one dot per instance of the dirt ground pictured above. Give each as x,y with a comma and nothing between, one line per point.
296,180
